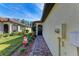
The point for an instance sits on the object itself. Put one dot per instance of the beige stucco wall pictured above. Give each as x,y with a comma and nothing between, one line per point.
10,27
1,28
61,14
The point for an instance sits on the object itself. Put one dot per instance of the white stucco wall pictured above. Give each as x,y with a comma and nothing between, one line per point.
1,28
11,26
61,14
19,29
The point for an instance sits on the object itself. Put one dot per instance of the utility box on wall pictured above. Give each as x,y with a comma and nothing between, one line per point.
64,31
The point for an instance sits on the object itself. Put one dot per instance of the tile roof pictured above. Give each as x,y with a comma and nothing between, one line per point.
11,20
3,19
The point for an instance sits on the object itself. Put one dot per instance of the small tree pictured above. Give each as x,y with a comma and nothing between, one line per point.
27,31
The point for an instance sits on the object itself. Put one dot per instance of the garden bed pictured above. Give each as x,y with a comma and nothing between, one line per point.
10,44
26,51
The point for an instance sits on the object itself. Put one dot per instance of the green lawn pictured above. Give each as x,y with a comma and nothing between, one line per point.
2,40
9,44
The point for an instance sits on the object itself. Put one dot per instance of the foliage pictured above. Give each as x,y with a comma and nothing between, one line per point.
11,43
11,34
34,28
27,31
29,38
22,50
16,33
25,22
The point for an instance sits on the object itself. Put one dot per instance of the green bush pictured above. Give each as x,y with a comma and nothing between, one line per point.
11,34
27,31
19,33
22,50
29,38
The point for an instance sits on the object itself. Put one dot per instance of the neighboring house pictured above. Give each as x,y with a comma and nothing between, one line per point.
60,30
8,25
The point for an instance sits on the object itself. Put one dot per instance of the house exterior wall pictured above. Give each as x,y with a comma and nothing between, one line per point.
19,28
12,27
61,14
1,28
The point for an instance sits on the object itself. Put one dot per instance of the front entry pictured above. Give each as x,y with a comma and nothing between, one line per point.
39,29
6,28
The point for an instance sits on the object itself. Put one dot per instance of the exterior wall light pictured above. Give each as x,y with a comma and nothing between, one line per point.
57,30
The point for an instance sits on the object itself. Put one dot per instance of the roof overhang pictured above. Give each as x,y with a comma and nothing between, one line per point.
47,8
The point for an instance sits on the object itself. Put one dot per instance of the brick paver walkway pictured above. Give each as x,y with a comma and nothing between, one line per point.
40,48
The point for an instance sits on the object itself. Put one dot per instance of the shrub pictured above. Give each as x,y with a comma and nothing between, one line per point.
33,35
11,34
29,38
27,31
22,50
19,33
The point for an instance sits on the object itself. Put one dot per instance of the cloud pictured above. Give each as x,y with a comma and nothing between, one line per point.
31,17
22,13
15,10
40,6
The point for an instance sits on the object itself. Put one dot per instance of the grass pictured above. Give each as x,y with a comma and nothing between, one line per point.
2,40
3,46
9,44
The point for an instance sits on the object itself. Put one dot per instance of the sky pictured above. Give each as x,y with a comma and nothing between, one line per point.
27,11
